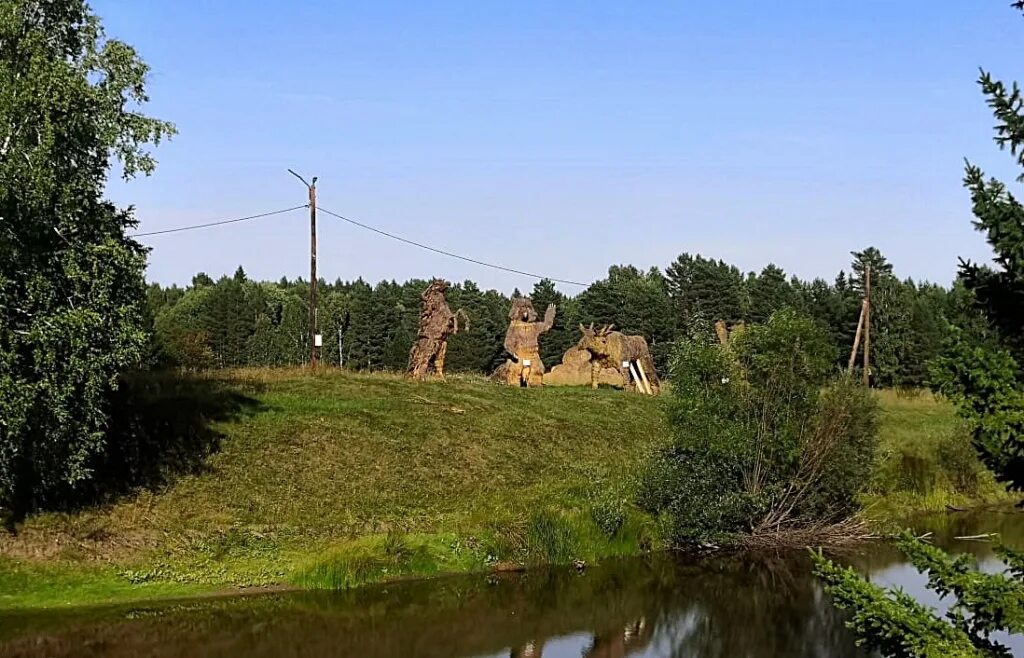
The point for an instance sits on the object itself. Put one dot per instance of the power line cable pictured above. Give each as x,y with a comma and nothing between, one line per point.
448,253
218,223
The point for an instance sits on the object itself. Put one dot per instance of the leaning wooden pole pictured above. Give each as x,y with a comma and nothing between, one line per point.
856,337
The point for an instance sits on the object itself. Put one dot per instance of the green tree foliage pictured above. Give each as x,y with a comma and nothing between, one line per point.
768,292
480,348
979,370
703,290
983,381
835,307
564,334
985,375
72,312
235,321
763,436
872,258
896,625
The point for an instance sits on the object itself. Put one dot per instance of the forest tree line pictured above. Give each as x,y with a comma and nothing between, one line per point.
236,321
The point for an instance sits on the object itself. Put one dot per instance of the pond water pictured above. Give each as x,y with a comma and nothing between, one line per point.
749,606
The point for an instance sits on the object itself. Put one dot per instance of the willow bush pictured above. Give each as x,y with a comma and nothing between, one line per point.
768,438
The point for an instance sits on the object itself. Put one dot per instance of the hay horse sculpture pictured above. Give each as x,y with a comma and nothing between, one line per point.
437,324
627,354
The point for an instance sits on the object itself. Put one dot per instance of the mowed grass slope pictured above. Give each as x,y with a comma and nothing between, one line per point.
330,465
338,455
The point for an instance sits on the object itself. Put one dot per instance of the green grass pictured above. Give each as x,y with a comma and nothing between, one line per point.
335,479
310,486
48,585
925,460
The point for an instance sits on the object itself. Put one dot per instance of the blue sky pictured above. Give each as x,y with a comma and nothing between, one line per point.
565,137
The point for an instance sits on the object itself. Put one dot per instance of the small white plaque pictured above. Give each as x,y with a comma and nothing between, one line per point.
526,363
625,364
318,340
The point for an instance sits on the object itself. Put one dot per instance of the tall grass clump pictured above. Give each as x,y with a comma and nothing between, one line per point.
768,441
378,558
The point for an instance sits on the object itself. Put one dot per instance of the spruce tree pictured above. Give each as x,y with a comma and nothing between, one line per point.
704,291
985,381
996,409
768,292
869,257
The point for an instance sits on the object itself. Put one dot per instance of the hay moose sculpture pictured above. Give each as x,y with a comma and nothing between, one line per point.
614,349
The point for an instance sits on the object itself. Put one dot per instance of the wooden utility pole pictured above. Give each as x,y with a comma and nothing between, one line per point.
867,325
856,336
314,349
314,336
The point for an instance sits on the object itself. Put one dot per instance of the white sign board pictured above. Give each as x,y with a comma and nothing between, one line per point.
318,340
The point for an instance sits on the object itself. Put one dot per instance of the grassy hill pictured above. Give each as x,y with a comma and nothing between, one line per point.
332,479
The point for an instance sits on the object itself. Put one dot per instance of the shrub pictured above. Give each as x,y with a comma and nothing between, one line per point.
763,437
959,462
608,514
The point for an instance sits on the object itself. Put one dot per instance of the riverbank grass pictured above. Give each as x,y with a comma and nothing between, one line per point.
49,585
925,461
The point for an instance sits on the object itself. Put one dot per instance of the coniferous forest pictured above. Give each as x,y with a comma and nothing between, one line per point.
236,321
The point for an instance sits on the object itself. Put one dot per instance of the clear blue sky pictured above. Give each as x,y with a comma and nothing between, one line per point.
564,137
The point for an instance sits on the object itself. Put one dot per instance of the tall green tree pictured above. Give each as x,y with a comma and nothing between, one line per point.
704,290
997,412
232,312
480,349
983,378
862,260
768,292
71,284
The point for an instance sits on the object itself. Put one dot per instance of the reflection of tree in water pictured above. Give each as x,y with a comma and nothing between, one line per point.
753,606
747,606
723,606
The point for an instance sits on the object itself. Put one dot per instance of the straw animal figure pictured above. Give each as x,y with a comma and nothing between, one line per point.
611,349
437,324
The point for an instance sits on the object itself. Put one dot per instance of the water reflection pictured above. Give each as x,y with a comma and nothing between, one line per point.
751,606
